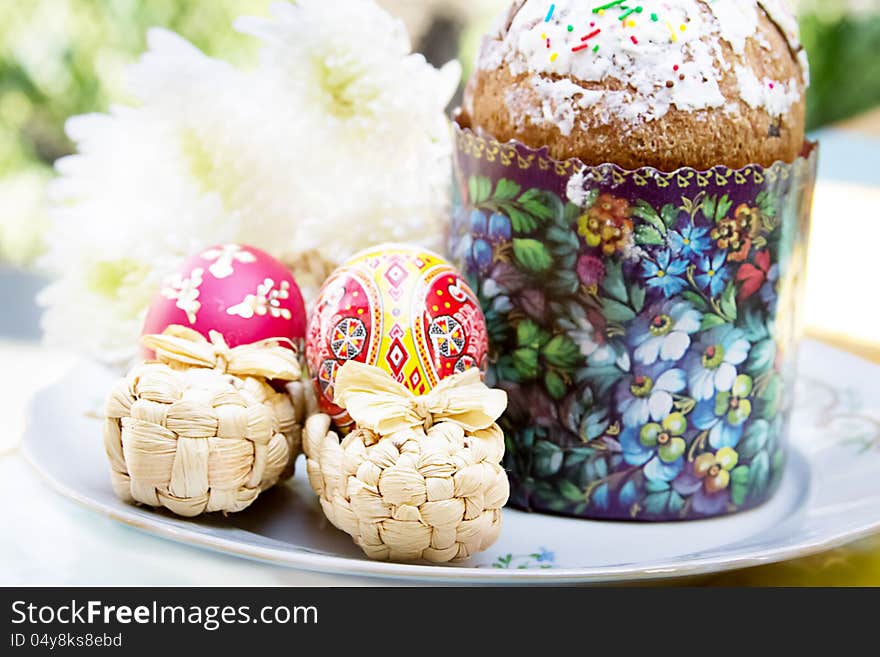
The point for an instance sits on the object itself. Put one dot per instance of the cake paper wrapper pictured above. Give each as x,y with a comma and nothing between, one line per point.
644,324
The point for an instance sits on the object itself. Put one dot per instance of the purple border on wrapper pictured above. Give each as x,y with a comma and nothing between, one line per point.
644,324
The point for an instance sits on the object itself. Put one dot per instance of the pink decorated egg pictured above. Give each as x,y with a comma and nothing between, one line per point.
239,291
400,308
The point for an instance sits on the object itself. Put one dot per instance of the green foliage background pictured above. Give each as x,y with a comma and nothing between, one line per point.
845,64
64,57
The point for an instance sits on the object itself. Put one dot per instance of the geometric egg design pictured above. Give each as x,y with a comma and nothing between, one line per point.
400,308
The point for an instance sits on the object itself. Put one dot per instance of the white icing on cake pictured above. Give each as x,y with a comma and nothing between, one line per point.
775,97
664,53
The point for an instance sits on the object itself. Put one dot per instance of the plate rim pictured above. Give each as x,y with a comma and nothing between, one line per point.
669,569
322,563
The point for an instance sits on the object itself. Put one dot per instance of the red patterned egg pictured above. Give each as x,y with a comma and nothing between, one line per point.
400,308
243,293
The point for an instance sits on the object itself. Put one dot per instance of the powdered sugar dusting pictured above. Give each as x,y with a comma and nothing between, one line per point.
561,98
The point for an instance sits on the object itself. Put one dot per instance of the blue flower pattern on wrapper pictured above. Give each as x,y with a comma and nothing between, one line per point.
713,275
666,274
690,242
643,338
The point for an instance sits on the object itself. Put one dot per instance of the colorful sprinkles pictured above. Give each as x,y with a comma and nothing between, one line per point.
628,15
598,10
629,12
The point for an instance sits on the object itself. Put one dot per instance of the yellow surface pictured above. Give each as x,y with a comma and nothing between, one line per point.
840,311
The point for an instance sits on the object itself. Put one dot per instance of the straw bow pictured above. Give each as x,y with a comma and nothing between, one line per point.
377,402
267,358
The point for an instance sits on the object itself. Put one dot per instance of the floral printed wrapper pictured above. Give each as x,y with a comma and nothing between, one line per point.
644,324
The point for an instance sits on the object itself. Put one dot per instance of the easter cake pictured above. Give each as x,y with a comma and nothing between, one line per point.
667,84
634,192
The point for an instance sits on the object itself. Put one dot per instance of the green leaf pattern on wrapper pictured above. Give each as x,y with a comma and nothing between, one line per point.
532,255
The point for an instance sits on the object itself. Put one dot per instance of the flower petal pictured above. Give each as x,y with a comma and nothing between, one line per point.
649,434
636,412
479,223
687,484
660,404
675,423
649,351
725,435
703,463
491,289
727,458
686,318
722,403
672,285
707,504
671,381
737,416
656,470
751,278
718,282
737,352
677,267
763,260
649,268
702,383
672,451
634,453
743,385
663,259
704,416
725,376
718,483
675,345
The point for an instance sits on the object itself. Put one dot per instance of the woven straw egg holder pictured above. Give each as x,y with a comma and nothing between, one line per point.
201,429
420,478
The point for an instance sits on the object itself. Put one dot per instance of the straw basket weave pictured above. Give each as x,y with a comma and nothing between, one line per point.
201,430
420,478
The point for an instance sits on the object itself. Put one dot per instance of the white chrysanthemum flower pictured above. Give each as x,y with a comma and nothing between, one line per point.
332,143
364,117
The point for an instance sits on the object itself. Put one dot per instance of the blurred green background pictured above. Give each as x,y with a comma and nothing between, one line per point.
64,57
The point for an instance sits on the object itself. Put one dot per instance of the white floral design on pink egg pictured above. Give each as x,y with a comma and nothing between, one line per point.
267,300
186,292
225,258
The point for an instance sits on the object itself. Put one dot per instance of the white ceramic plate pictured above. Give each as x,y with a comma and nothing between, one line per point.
830,496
